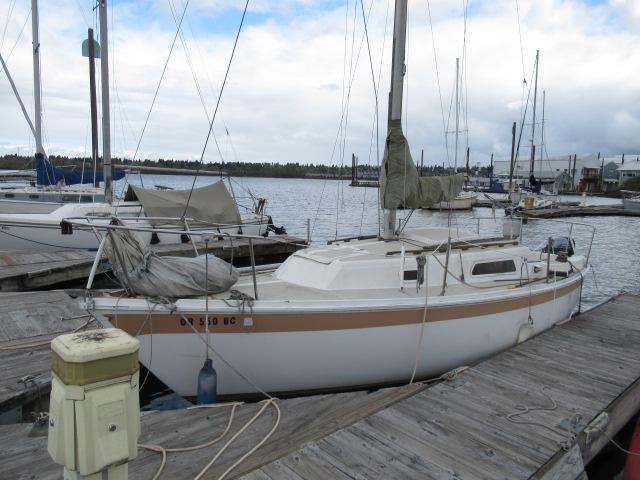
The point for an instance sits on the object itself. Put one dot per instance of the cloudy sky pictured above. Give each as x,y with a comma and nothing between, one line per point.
297,61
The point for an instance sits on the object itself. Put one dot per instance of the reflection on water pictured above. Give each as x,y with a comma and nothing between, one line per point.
336,209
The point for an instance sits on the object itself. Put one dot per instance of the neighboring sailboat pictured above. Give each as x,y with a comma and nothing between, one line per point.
363,312
41,231
53,186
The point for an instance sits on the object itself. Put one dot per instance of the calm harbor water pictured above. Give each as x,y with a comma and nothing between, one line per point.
336,209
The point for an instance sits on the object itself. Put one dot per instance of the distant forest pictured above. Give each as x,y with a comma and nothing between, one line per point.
238,169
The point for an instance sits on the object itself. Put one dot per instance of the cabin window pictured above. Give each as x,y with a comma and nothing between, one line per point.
493,268
410,274
34,196
9,195
86,199
69,198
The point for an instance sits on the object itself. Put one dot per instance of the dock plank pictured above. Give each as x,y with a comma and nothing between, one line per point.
28,321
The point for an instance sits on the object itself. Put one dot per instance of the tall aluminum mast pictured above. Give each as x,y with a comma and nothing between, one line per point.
106,127
395,95
37,91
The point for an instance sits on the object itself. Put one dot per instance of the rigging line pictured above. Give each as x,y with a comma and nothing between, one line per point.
464,74
164,69
84,17
435,60
522,123
336,140
185,47
19,36
215,112
346,119
12,4
524,75
375,92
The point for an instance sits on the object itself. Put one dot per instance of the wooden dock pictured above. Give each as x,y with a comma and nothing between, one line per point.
28,321
541,410
578,211
29,271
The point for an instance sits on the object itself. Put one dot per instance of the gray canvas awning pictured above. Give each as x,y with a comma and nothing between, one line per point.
400,184
210,204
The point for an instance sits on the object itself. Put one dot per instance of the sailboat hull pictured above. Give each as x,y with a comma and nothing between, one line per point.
317,347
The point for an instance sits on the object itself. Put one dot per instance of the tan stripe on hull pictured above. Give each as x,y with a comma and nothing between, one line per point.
141,324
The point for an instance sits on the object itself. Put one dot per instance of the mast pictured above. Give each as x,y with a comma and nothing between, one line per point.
455,156
106,128
37,94
395,96
533,122
513,148
544,97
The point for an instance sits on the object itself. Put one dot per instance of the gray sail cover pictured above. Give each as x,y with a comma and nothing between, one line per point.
400,185
210,204
142,272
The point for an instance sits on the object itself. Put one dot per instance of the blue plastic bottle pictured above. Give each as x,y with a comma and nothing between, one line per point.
207,383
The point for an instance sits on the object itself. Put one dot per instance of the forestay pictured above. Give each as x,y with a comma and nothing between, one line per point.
400,184
142,272
210,204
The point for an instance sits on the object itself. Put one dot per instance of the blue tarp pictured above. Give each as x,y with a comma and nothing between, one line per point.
47,174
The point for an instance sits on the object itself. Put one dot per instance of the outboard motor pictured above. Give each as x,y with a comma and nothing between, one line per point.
561,245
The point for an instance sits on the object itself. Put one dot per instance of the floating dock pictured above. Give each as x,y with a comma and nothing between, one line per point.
578,211
28,322
540,410
21,271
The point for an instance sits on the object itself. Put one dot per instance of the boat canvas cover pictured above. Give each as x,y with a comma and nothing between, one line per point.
47,174
142,272
400,184
210,204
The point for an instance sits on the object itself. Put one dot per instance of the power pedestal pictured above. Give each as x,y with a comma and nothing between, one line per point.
94,413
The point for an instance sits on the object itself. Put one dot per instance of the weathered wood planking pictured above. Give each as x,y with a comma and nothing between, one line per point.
462,430
28,271
453,430
304,419
26,319
578,211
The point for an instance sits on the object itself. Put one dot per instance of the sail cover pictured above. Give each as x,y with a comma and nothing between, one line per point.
400,185
209,204
142,272
47,174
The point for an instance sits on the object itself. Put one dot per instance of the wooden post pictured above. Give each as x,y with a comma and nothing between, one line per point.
94,105
467,165
601,172
533,160
354,172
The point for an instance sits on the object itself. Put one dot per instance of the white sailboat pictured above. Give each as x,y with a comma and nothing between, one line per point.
37,226
411,304
37,196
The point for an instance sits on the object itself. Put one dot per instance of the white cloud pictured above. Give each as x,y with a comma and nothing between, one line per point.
283,97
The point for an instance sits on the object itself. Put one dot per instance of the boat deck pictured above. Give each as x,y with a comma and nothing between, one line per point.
580,382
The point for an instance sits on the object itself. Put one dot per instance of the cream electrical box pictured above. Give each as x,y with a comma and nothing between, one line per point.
94,417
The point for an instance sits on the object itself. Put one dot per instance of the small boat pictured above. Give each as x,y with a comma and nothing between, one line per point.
631,203
463,201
